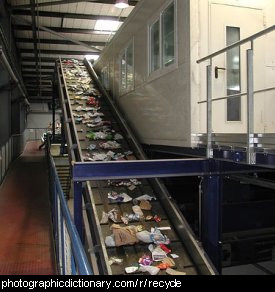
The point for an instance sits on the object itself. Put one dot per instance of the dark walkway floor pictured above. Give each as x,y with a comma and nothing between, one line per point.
25,224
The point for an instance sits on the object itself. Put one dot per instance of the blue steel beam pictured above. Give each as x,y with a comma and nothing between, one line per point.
138,169
211,229
263,159
89,171
78,215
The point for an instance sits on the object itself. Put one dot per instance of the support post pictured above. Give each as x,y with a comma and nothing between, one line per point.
212,219
78,216
250,108
53,119
209,111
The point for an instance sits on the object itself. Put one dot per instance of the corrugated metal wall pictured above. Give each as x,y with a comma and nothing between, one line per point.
12,112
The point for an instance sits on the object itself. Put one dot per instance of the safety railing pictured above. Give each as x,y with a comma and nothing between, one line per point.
249,93
6,157
70,254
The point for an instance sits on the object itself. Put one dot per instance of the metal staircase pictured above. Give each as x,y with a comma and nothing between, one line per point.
64,174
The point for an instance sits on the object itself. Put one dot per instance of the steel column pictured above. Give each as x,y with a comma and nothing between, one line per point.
78,215
211,207
209,111
250,108
53,118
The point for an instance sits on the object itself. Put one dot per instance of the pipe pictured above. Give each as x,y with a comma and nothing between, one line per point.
10,71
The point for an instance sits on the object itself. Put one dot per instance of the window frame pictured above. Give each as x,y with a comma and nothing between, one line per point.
226,81
163,70
124,90
150,45
105,77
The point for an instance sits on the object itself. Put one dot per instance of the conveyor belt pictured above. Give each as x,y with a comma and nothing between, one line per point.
69,74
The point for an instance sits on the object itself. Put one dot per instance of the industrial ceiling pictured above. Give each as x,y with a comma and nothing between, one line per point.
45,30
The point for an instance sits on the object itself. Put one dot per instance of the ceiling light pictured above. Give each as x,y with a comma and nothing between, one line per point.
121,4
91,57
107,25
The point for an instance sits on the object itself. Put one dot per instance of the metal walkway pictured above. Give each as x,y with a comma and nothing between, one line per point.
26,246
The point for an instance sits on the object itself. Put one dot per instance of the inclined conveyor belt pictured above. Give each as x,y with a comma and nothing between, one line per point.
76,85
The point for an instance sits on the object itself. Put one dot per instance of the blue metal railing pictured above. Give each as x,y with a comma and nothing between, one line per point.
70,254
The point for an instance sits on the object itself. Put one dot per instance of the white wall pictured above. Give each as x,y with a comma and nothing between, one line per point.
159,108
201,42
38,120
165,110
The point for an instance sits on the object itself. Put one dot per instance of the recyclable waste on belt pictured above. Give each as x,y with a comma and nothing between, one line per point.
104,140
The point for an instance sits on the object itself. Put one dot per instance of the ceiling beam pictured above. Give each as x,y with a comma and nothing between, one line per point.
58,52
43,92
33,99
44,86
28,77
24,72
65,30
33,82
41,67
41,59
58,42
45,4
34,33
50,30
24,12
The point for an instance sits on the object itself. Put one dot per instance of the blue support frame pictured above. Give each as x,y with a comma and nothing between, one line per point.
211,206
80,264
78,214
137,169
210,169
156,169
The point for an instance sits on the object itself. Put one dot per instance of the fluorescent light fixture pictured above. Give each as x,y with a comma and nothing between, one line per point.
122,4
107,25
92,57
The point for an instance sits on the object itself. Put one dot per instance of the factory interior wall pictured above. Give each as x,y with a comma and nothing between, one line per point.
201,46
158,109
37,121
12,112
5,109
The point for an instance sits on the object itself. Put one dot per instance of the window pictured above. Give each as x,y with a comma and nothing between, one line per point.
162,39
130,67
155,46
233,75
123,71
105,77
168,35
127,69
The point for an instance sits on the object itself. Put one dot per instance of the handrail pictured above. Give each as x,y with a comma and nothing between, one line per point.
79,255
239,43
250,92
78,250
238,95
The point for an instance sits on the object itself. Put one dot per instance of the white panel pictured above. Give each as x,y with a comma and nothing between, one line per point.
72,8
68,22
78,36
44,46
25,46
79,23
49,21
81,8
